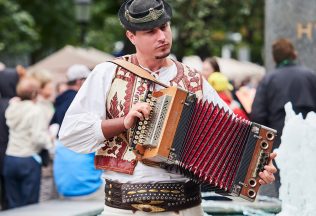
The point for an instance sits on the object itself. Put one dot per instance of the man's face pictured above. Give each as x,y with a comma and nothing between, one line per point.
155,42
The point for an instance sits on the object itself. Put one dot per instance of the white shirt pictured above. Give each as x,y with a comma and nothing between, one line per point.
81,128
28,129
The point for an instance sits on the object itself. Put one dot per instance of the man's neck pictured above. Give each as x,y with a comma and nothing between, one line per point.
153,64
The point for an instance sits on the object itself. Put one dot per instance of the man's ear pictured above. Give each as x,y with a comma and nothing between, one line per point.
131,37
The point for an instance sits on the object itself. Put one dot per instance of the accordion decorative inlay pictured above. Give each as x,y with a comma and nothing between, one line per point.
204,142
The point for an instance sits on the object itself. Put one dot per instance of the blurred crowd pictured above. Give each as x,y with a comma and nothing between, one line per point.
32,108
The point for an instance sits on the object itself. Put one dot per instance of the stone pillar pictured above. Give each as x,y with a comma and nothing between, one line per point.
295,20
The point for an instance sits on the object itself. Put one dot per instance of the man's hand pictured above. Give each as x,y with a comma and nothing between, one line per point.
267,176
138,111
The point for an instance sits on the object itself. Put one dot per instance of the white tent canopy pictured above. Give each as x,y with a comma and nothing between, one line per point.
235,70
60,61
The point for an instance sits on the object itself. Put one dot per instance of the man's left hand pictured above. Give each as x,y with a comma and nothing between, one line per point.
267,176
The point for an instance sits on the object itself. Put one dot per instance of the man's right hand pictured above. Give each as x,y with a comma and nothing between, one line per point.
140,111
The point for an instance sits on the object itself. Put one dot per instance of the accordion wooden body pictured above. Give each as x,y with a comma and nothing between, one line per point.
204,142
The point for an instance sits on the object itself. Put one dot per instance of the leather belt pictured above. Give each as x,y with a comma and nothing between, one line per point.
156,197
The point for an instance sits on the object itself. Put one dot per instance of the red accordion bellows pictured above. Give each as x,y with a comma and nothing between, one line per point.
204,142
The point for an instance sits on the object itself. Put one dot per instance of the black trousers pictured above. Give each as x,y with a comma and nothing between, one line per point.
22,177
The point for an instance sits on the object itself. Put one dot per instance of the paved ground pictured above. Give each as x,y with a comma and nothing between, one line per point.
59,207
94,206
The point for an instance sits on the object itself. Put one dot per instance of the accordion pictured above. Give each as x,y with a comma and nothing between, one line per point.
204,142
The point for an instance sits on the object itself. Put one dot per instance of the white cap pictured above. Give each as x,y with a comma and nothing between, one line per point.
77,71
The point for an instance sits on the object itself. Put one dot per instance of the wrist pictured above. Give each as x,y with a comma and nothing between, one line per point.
124,124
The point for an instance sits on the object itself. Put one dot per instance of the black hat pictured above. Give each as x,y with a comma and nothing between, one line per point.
140,15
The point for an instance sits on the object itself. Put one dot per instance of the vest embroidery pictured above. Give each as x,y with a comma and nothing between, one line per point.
128,89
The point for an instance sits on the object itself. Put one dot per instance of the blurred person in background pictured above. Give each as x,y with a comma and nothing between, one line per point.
61,87
45,96
222,86
8,81
74,173
44,101
289,81
209,66
28,134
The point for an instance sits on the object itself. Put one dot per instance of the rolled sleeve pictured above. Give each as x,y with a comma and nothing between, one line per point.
81,128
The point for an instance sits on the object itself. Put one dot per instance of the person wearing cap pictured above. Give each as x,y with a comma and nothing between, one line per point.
107,107
222,86
76,75
71,180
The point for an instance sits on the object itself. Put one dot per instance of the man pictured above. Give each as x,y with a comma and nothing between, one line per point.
288,82
108,105
72,181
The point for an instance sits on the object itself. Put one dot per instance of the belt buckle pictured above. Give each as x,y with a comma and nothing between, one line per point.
149,207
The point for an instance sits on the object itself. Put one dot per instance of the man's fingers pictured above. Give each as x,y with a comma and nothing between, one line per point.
273,155
144,108
137,114
266,177
270,168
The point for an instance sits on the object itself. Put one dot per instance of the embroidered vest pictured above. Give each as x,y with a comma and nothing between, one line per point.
127,89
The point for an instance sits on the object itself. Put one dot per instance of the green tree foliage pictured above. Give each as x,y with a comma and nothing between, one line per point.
18,34
54,23
104,28
200,26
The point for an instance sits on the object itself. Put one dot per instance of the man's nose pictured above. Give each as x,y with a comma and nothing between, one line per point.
161,35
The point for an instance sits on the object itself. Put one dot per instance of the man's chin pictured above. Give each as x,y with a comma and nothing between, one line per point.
162,56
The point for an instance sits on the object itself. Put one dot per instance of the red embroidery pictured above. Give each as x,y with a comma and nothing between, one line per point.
115,107
112,157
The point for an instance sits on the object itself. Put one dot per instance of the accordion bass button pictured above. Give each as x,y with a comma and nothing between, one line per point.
252,193
270,135
252,182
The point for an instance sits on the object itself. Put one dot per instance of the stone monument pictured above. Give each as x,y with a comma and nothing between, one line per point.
296,21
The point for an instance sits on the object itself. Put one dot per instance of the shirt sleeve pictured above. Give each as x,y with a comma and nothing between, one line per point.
211,95
81,128
39,130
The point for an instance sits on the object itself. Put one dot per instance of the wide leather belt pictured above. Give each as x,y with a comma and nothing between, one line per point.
156,197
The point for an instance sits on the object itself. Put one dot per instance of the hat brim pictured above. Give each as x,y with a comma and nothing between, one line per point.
166,17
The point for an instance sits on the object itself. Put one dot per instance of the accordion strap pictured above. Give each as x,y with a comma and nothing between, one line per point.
138,71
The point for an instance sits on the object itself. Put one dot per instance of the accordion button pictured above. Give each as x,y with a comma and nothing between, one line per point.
133,162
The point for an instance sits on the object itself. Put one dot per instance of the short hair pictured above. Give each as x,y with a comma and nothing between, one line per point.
283,49
42,75
27,88
213,62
